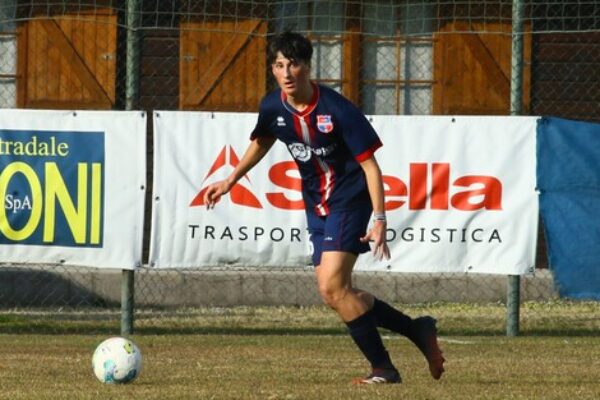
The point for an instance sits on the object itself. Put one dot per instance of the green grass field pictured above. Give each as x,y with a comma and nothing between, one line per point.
302,353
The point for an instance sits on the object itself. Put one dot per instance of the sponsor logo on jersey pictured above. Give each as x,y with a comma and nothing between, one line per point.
303,152
324,123
280,121
300,151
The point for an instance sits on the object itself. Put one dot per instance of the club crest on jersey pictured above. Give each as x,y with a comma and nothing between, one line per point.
324,123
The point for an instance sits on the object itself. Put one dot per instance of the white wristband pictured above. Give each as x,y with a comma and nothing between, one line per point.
379,217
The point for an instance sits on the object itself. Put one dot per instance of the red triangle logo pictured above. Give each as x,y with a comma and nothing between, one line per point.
238,193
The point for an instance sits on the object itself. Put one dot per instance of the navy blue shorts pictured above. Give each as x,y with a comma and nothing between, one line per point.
339,231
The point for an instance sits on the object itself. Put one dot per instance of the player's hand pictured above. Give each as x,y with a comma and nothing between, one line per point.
214,192
377,235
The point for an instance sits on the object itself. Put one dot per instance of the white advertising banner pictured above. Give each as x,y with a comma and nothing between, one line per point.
73,185
460,195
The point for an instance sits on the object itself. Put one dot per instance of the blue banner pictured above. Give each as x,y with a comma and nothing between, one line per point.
568,178
52,186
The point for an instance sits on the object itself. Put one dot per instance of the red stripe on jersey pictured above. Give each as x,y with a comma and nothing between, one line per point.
365,155
306,134
326,178
322,208
297,127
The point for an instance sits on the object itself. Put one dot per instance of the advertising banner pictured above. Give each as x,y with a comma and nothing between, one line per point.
73,187
460,195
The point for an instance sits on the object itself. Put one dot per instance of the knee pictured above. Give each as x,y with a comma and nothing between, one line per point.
332,295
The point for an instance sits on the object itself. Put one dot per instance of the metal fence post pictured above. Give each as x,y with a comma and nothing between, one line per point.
132,68
127,281
513,293
131,95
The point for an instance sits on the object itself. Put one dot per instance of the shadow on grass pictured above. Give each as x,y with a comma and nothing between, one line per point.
343,332
48,329
113,327
46,287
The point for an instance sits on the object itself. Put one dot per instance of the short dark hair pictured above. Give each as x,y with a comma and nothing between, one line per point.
292,45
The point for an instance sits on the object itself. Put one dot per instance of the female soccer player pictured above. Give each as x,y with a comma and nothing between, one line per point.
333,145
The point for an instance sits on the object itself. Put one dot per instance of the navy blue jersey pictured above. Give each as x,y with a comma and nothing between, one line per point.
327,140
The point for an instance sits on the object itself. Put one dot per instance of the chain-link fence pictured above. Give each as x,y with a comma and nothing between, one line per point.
387,56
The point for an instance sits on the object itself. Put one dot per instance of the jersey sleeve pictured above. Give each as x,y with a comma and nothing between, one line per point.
263,124
358,134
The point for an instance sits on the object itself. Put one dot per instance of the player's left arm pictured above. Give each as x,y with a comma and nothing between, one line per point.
375,186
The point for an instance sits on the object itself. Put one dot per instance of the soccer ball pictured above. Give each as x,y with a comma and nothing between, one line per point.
117,360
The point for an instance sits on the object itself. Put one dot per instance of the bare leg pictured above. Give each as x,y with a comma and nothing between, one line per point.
334,277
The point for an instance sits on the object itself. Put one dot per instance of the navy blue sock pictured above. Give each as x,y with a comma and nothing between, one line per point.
388,317
366,336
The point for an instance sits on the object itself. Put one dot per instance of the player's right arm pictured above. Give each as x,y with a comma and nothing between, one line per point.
255,152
